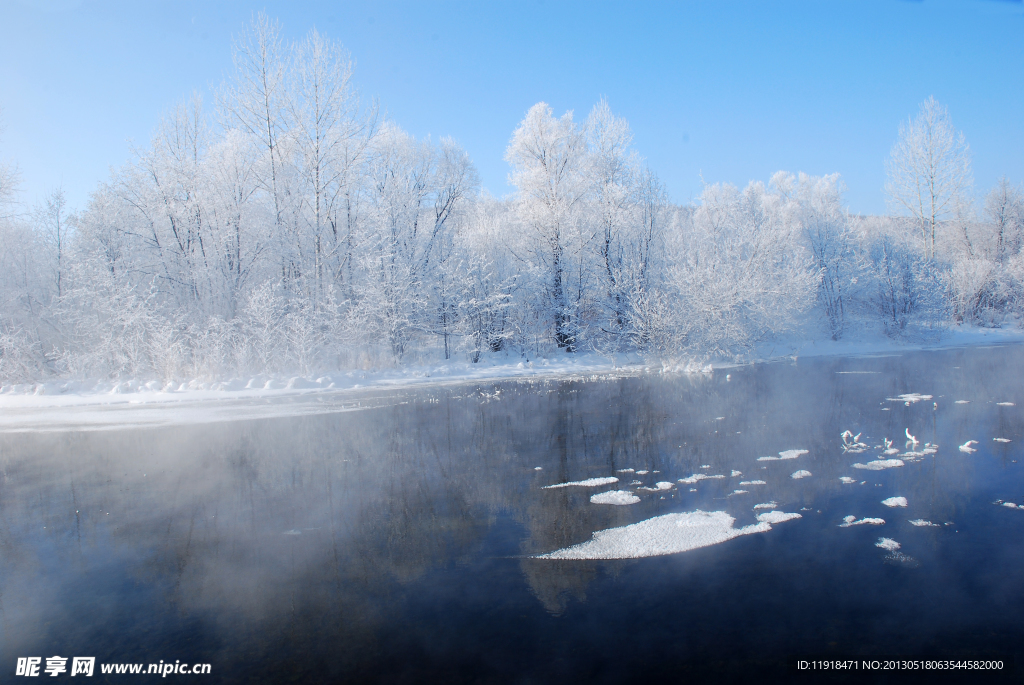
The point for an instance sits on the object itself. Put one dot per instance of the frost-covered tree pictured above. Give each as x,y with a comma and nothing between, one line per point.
929,171
549,159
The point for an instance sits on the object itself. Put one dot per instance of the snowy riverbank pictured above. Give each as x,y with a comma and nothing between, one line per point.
104,403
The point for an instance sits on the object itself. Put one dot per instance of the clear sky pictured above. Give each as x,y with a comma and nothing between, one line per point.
727,91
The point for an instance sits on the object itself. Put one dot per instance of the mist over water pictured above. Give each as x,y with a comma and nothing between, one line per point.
400,543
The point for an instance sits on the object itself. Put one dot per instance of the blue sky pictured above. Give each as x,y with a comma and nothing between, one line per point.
727,91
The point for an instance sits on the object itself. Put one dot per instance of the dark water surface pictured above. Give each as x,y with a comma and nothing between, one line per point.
394,544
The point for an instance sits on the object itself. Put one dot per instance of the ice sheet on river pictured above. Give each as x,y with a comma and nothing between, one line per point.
667,534
588,483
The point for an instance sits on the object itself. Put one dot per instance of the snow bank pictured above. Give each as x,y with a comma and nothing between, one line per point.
588,483
667,534
895,502
619,497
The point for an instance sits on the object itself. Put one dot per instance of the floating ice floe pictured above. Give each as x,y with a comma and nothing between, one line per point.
777,517
666,534
696,477
1011,505
963,402
538,468
623,470
847,480
753,482
909,398
1006,404
854,521
737,492
887,447
292,532
642,473
917,454
887,544
766,505
736,473
800,474
588,483
788,454
895,502
878,465
1002,439
966,447
660,485
922,523
619,497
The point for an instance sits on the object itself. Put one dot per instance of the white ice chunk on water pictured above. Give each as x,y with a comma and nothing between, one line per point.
753,482
538,468
1006,404
588,483
619,497
766,505
1002,439
666,534
800,474
921,522
1010,504
853,521
887,544
660,485
736,473
909,398
966,447
737,492
292,532
642,473
787,454
623,470
776,517
895,502
963,402
847,480
696,477
879,464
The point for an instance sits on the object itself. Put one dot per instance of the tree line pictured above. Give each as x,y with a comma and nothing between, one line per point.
296,229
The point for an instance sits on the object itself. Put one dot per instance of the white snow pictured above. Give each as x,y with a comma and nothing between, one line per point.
853,521
800,474
1011,505
887,543
922,522
619,497
847,480
966,447
788,454
879,464
776,517
895,502
666,534
696,477
909,398
736,473
588,483
660,485
753,482
766,505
